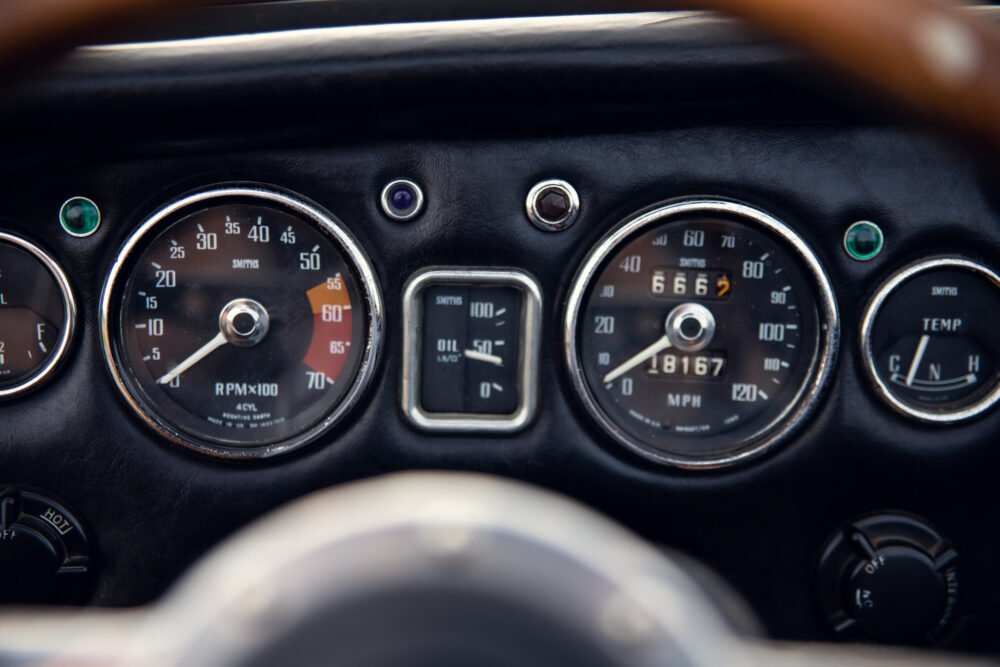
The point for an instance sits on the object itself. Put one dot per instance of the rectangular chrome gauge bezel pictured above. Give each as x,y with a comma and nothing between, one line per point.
531,322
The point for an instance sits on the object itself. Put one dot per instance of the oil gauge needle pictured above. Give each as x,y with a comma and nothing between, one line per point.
657,347
917,358
202,352
482,356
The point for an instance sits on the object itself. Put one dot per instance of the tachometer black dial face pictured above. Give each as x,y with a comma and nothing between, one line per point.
699,332
929,341
37,313
243,323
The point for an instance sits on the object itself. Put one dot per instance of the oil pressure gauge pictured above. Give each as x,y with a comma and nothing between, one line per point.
471,347
929,342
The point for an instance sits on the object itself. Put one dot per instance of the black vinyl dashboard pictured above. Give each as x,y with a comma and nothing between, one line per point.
419,181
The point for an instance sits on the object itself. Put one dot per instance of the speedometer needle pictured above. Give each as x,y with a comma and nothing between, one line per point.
657,347
482,356
203,351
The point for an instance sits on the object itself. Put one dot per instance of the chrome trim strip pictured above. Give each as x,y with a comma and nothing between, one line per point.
462,27
459,28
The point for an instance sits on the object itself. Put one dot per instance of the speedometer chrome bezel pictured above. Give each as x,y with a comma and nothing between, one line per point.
779,429
45,372
868,325
345,242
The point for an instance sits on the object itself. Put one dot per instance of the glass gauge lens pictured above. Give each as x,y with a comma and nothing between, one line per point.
472,343
36,315
700,332
471,346
929,343
244,322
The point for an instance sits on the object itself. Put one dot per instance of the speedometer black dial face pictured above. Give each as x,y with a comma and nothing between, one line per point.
241,322
700,333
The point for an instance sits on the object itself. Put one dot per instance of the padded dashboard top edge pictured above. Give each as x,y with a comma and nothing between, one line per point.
685,66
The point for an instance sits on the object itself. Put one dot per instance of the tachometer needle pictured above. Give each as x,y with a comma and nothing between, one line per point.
917,358
657,347
482,356
202,352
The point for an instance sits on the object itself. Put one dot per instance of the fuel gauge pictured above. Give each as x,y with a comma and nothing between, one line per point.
471,349
929,341
37,314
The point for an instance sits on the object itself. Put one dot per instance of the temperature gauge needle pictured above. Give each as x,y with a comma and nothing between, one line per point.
657,347
203,351
917,358
482,356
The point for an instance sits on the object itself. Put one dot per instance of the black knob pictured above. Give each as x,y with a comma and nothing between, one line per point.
889,578
44,551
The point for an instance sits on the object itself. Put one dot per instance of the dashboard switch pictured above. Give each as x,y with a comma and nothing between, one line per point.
45,555
889,578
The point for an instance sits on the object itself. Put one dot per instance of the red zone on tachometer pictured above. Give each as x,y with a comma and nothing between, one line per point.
332,327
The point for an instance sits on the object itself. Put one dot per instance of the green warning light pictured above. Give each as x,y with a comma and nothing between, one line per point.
80,216
863,240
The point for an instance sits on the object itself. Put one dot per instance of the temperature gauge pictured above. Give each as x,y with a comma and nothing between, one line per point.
37,314
471,349
929,342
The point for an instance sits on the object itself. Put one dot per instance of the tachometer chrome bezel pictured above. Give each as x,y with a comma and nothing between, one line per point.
779,429
368,286
45,372
871,312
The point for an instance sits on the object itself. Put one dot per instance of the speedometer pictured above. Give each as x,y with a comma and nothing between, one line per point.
241,322
700,333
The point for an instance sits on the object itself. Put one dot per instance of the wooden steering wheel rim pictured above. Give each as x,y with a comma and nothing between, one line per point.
935,58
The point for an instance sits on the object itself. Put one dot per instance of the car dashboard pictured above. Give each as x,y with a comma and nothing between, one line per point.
652,261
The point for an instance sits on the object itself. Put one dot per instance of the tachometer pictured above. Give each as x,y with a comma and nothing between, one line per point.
241,322
700,333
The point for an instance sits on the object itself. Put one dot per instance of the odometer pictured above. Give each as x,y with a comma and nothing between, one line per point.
241,322
701,333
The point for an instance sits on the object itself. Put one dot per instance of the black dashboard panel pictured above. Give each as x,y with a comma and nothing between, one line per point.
632,112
